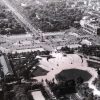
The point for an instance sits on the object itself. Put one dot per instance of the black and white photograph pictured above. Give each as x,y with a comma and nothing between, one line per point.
49,49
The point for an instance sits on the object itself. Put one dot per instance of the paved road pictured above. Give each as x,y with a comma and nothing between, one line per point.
93,60
21,18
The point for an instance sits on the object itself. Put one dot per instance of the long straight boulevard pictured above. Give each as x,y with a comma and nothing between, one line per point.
21,17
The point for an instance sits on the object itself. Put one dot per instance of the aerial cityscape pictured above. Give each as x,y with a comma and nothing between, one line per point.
49,49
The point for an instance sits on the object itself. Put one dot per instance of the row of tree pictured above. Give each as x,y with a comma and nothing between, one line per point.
93,50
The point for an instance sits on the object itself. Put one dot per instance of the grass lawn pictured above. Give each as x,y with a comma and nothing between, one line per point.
40,72
73,74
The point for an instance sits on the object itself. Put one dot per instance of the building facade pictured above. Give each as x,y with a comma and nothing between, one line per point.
91,26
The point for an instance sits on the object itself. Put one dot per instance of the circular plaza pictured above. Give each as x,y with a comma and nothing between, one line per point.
60,62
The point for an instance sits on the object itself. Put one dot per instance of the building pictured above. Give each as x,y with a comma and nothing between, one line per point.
94,4
37,95
7,70
91,26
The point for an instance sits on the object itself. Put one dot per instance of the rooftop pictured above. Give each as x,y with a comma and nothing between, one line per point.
37,95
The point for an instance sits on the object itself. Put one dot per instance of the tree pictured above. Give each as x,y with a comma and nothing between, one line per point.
26,72
79,80
54,16
20,92
90,97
